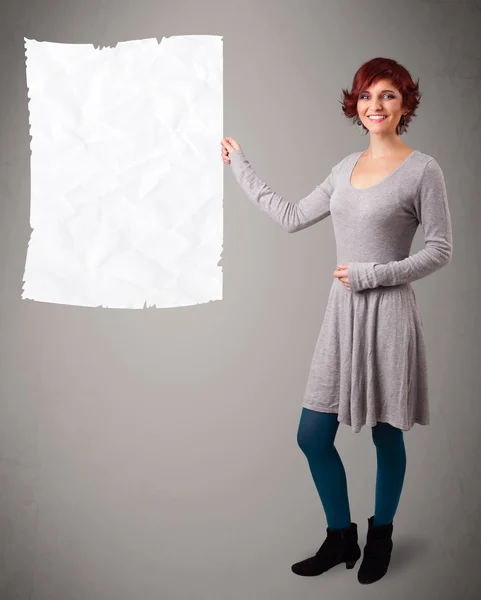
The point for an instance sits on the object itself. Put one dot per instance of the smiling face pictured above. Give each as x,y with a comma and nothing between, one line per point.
382,98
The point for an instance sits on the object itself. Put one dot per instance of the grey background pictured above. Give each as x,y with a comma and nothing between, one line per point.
152,453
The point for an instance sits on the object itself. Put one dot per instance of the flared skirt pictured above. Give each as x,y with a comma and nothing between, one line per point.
369,363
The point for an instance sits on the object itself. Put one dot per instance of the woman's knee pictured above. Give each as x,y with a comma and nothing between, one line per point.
386,434
316,432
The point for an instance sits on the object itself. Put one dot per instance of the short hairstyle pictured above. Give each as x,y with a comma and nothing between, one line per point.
374,70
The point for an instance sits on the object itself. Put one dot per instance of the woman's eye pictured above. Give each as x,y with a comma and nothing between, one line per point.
365,95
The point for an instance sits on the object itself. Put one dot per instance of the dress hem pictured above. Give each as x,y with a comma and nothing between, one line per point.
368,424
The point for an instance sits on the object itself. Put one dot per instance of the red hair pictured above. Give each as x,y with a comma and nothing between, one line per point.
372,71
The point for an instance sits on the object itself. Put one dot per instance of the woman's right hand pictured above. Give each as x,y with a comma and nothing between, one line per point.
228,145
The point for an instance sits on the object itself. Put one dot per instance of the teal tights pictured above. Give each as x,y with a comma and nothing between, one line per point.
315,437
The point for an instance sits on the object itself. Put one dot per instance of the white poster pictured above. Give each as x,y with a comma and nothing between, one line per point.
126,173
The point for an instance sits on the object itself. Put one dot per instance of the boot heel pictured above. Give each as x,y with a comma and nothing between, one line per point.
351,564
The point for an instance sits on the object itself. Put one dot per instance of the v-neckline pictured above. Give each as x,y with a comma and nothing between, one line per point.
359,154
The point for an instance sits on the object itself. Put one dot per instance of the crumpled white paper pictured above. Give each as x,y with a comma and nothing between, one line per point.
126,174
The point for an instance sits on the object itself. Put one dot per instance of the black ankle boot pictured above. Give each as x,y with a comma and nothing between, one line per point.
339,546
377,552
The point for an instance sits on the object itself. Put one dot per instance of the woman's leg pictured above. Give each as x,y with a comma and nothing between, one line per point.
315,437
391,468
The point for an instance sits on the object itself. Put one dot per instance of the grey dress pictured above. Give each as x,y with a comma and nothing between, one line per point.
369,361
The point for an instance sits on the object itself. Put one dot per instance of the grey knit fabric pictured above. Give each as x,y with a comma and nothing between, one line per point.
369,362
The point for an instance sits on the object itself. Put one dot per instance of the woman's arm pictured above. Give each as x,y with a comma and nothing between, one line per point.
432,211
291,217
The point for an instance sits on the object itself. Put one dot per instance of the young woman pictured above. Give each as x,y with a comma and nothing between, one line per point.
369,365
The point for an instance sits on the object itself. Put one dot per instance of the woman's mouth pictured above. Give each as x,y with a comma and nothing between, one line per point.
377,119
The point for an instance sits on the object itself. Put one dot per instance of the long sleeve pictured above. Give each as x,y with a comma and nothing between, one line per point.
290,216
432,211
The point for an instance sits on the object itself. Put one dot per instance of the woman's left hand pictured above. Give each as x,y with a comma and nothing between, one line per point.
341,274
